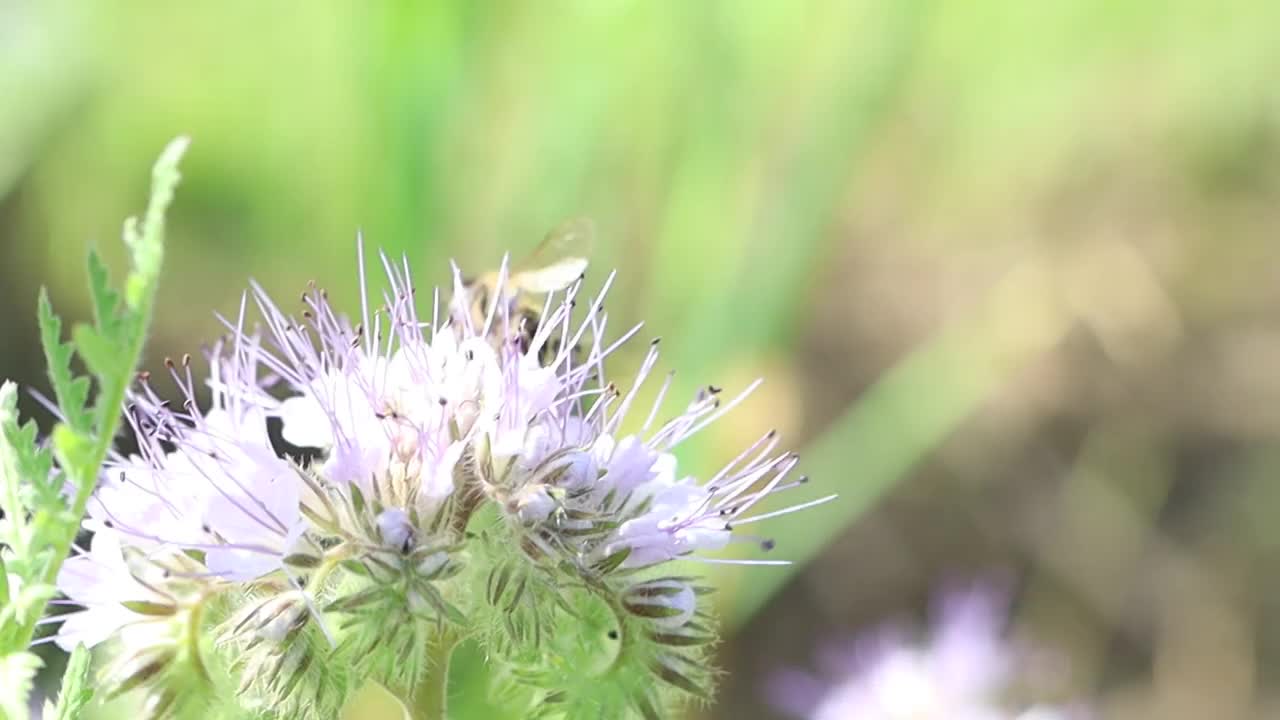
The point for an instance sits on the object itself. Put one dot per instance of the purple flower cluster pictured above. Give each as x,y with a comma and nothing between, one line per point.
429,416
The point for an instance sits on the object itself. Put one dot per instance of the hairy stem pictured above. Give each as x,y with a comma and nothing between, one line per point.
431,700
147,249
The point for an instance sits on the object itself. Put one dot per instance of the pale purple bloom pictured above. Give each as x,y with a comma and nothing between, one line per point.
100,581
407,409
966,669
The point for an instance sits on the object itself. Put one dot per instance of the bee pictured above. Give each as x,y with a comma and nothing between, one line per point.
555,264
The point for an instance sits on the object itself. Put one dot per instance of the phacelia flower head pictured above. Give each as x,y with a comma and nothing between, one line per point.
964,670
468,472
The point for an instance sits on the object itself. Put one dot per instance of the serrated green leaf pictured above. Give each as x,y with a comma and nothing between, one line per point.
72,392
11,470
100,353
27,603
104,300
76,691
110,349
17,671
72,448
147,246
37,484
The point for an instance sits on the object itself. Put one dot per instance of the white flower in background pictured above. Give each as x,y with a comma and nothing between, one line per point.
965,670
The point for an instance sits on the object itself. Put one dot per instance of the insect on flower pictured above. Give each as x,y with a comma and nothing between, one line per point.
556,263
480,447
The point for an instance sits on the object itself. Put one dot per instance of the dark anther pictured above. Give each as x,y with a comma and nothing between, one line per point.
108,524
307,314
767,544
613,634
714,390
470,355
168,362
802,479
144,376
655,341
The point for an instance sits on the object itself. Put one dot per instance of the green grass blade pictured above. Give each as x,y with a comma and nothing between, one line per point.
907,414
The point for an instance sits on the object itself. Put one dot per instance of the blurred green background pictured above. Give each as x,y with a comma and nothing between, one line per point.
1010,268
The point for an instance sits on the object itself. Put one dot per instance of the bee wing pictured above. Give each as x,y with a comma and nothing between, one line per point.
559,259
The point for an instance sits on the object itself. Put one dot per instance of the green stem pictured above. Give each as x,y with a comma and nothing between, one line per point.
146,247
431,700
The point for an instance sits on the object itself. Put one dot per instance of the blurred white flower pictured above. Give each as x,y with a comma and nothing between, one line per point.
964,670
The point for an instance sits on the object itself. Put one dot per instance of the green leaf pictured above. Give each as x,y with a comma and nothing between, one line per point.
11,469
147,245
17,671
110,349
76,691
72,392
101,353
30,468
72,448
105,300
26,604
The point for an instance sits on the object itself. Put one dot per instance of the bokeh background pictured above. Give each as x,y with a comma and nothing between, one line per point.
1010,268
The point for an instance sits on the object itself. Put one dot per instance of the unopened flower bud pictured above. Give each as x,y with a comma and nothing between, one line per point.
667,603
395,528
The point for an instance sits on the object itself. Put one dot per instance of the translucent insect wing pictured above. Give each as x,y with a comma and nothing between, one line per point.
559,259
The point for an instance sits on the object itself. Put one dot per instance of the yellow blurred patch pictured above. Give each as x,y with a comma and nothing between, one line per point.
374,702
